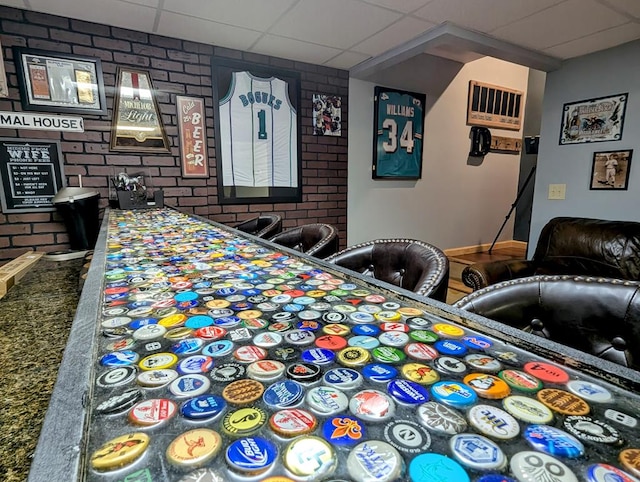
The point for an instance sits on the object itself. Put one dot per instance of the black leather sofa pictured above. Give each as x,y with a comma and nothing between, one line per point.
599,316
572,246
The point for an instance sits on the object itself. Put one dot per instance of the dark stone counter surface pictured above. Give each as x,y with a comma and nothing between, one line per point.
35,319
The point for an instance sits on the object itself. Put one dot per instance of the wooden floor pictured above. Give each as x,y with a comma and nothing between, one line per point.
459,259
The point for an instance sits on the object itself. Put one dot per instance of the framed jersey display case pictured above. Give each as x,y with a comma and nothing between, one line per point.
398,134
257,132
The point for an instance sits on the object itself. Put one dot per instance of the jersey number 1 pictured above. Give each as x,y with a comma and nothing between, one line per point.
262,124
406,138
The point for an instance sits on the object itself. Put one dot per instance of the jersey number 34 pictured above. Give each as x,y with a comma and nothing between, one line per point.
406,138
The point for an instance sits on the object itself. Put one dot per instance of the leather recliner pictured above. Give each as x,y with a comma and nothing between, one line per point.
571,246
599,316
263,226
410,264
319,240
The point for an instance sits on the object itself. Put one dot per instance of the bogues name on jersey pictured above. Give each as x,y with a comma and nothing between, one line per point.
258,97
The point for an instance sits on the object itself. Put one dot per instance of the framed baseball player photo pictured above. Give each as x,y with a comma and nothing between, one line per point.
258,134
398,134
610,170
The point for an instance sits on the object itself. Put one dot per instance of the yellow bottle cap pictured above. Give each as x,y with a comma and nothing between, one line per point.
172,321
353,356
194,448
120,451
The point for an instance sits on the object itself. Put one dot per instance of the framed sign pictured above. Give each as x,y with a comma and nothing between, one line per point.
193,138
136,125
593,120
494,106
4,87
257,133
398,134
54,82
31,173
610,170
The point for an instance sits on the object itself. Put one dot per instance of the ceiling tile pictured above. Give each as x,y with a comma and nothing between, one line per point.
148,3
632,7
598,41
252,14
294,49
484,15
398,33
205,31
113,12
334,23
562,23
13,3
346,60
404,6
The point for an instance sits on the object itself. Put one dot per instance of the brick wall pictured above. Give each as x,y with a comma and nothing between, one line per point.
177,67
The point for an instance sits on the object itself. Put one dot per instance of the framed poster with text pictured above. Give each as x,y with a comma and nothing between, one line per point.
258,134
31,174
193,137
398,134
593,120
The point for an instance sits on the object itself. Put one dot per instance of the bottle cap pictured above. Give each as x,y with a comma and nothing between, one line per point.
440,418
251,455
529,466
120,451
374,460
301,450
477,452
436,468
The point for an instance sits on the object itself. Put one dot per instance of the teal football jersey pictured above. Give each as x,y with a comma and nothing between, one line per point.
400,118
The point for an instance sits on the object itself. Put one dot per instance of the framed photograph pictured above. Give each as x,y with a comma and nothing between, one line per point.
258,134
327,115
593,120
610,170
54,82
136,125
494,106
193,137
397,137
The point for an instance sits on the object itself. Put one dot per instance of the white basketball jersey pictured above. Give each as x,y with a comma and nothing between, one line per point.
258,133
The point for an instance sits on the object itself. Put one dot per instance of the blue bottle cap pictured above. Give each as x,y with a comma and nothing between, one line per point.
187,346
226,321
553,441
343,430
477,452
450,347
364,341
282,394
477,342
186,296
495,478
135,324
607,473
436,468
251,454
218,348
119,358
198,321
366,330
379,372
203,407
318,356
195,364
453,393
343,378
408,392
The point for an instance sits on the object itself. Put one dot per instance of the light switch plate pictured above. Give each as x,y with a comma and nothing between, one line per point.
557,191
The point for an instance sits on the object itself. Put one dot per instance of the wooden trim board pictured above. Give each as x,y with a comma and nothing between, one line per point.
14,270
480,248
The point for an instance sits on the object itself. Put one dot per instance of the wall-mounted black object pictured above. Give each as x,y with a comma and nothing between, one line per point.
480,141
531,144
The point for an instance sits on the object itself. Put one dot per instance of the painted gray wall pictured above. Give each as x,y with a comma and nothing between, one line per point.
604,73
457,202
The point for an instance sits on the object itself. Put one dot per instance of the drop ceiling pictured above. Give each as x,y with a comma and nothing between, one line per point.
359,34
